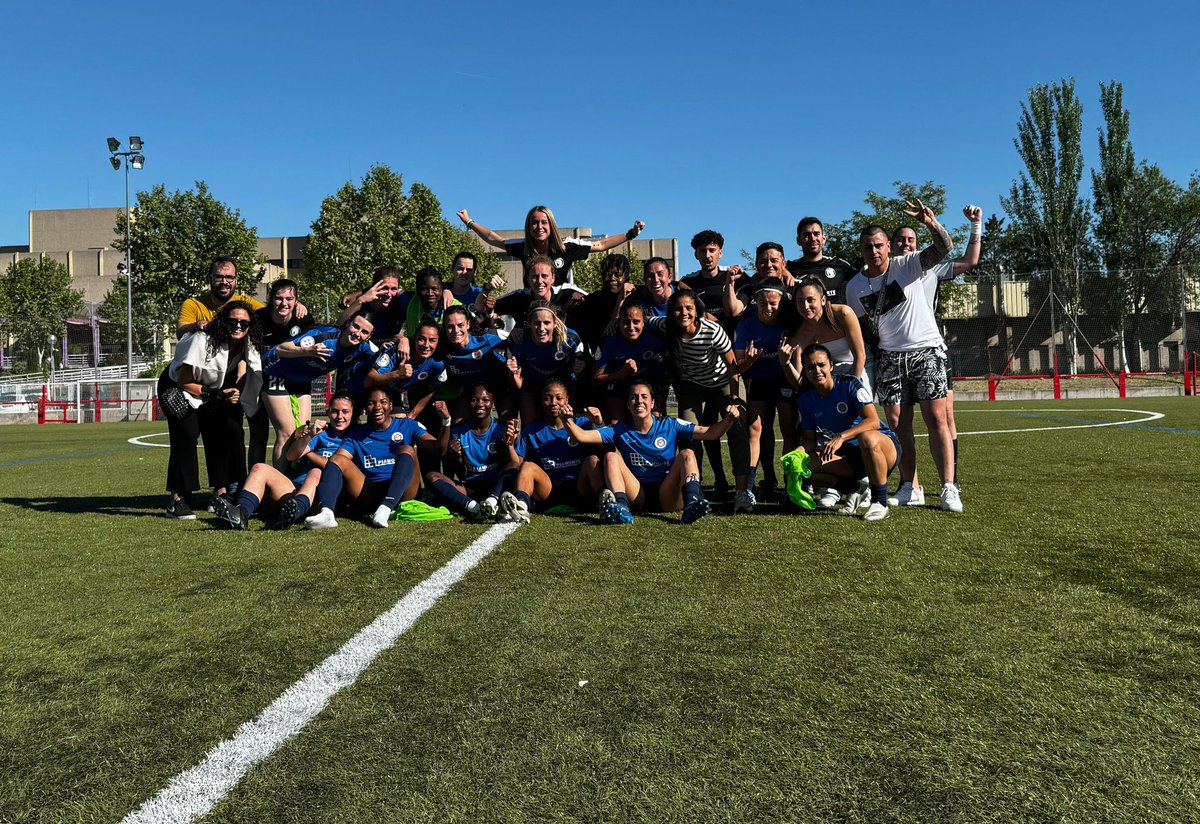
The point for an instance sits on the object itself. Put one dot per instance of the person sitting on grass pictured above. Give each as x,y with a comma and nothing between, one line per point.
313,444
479,447
651,469
376,467
557,469
844,437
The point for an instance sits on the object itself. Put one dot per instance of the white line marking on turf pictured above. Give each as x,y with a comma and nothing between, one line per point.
139,440
195,791
1150,416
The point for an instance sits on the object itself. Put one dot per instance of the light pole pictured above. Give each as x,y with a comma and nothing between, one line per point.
133,158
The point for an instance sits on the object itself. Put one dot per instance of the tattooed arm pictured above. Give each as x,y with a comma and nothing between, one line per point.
941,245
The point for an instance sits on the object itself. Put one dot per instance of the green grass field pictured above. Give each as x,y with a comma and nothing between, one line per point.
1036,658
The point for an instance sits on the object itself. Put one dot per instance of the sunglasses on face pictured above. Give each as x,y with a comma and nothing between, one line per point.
238,323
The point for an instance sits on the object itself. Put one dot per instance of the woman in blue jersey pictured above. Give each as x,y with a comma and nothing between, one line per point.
756,351
323,349
543,350
480,450
843,435
376,467
651,469
313,445
411,383
470,359
556,469
658,286
633,354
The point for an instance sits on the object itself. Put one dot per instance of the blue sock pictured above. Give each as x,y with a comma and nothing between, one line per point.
879,493
248,502
402,474
502,480
330,486
752,478
691,491
456,499
303,504
622,498
524,496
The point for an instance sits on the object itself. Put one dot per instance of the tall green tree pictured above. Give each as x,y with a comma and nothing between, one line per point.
36,300
1049,218
883,210
174,238
376,223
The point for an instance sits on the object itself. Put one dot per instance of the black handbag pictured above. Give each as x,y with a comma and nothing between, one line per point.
174,403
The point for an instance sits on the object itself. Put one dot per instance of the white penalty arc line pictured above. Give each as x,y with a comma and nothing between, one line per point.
140,440
1149,416
194,792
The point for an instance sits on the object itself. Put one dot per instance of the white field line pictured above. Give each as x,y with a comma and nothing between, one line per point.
140,440
193,792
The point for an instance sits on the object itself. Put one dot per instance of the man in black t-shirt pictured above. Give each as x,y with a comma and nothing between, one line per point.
709,282
834,273
279,324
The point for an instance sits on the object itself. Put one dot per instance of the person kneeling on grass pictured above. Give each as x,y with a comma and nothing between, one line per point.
480,447
313,444
557,469
376,467
843,436
652,468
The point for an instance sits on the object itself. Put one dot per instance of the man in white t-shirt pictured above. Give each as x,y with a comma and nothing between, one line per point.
910,364
904,241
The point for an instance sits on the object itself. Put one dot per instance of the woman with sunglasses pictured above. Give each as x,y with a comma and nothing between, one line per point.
213,381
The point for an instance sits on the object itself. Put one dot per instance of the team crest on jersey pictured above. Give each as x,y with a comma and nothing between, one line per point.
842,408
422,376
397,437
491,448
571,440
830,273
295,330
382,360
660,443
560,355
307,340
558,263
477,354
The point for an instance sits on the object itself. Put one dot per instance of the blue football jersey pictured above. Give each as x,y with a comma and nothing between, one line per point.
546,362
482,453
477,362
649,456
324,443
554,450
836,412
648,351
766,338
306,369
374,450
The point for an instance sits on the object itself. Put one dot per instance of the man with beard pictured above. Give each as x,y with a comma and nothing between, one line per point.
834,273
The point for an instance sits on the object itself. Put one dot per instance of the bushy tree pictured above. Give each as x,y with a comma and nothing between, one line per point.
375,223
886,211
587,272
174,238
36,300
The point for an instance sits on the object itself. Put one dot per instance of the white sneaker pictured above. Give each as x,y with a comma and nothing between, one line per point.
829,498
322,520
951,498
513,508
908,495
876,512
743,501
607,499
380,518
859,499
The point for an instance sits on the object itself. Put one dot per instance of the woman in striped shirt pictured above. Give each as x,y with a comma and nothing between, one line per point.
702,358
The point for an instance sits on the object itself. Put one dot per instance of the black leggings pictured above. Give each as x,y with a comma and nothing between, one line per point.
219,423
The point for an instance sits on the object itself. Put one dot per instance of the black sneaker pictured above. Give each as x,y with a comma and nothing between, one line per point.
178,509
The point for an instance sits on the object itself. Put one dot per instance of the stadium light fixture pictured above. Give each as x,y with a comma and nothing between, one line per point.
137,160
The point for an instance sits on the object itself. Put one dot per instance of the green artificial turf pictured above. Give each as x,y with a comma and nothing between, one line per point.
1033,659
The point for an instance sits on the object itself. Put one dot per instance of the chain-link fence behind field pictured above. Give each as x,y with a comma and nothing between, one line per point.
1085,335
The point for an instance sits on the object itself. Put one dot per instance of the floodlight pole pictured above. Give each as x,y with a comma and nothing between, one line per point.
128,286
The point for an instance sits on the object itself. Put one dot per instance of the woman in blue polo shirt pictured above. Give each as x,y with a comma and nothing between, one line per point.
651,469
843,435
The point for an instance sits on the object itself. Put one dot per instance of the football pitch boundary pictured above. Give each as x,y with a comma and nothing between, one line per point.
195,791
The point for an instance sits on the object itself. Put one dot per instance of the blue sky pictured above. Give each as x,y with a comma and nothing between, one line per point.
740,117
